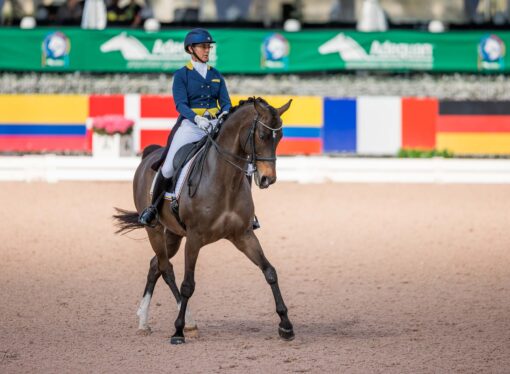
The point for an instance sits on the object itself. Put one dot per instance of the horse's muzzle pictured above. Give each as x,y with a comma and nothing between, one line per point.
264,181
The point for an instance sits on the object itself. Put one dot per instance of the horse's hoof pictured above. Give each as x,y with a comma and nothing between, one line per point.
191,332
177,340
190,328
286,334
144,332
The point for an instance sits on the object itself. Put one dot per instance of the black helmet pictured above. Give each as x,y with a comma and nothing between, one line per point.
197,36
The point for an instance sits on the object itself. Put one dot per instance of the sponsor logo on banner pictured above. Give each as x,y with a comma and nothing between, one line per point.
491,53
275,52
165,54
382,54
55,50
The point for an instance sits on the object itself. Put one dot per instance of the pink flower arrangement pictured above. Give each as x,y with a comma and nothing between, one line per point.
112,124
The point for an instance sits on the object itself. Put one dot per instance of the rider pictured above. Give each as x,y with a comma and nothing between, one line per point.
200,94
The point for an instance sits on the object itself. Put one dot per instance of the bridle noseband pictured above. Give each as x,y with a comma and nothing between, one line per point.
253,158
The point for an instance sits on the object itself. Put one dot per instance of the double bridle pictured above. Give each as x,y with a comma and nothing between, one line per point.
252,158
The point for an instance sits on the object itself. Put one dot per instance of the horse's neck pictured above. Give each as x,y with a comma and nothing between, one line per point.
230,143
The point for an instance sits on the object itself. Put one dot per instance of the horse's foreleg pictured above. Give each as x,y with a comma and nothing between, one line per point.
143,310
250,246
172,247
187,288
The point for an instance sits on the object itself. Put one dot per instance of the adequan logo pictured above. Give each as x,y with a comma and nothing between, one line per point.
382,54
165,54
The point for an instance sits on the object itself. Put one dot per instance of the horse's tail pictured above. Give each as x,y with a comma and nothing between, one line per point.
127,221
149,149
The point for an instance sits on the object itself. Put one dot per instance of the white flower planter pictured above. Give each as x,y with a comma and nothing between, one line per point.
112,145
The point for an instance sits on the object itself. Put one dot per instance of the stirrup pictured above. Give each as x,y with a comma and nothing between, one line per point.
148,216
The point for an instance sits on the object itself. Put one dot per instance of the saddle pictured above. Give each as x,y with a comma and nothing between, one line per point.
181,158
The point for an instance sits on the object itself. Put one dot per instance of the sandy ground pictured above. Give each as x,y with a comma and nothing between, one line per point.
377,278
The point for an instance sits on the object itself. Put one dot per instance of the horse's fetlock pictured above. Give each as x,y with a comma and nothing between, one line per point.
179,324
281,311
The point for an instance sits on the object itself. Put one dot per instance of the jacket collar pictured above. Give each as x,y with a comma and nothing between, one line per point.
189,65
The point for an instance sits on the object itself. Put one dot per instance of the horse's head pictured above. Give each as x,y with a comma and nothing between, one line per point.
115,43
265,134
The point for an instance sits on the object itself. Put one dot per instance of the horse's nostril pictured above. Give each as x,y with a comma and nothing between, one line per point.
264,181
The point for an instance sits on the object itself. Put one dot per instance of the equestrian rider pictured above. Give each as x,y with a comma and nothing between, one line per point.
200,94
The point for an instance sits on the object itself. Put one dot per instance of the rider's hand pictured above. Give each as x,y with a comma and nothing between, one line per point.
223,114
202,122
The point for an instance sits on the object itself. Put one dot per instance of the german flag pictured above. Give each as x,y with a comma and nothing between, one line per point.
474,127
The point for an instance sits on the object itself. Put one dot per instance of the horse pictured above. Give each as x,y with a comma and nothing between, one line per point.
219,207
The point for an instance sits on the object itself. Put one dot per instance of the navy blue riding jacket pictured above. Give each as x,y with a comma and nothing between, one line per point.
194,95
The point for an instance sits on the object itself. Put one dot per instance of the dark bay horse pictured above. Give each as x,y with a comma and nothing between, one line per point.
221,207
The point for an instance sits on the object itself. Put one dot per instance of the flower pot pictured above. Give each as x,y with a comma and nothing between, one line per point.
115,145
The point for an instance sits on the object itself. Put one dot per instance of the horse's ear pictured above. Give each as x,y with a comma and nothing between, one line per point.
284,108
258,107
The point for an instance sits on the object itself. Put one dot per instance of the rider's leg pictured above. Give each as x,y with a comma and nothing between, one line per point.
188,132
150,213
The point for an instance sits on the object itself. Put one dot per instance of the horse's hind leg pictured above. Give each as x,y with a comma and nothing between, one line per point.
165,245
143,310
250,246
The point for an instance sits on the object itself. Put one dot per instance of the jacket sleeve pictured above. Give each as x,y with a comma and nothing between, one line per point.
224,97
180,93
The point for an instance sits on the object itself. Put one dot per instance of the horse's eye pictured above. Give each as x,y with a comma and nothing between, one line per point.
263,136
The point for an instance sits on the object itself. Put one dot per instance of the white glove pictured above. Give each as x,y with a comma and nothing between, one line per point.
223,114
202,122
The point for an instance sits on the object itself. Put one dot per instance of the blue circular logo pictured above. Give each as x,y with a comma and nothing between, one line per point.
276,47
491,48
56,45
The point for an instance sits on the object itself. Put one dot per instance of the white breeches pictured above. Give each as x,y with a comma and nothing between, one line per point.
187,132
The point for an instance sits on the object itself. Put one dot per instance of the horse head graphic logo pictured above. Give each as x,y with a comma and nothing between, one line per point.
346,47
130,47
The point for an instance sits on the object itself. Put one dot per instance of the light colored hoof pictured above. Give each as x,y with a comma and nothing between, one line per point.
144,332
191,331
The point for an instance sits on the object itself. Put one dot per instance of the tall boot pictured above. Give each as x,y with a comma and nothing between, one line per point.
255,223
149,214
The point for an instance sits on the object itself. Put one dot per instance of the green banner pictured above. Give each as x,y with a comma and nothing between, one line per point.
253,51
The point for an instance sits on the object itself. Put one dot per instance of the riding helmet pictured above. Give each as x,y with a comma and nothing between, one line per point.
197,36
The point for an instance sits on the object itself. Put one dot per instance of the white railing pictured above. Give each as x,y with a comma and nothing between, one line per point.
52,168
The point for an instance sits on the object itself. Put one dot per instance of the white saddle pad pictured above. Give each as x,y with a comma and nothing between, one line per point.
180,182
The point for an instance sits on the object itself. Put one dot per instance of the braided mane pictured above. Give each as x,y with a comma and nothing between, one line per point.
250,100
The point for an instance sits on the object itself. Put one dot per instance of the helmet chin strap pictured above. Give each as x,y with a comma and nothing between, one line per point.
194,54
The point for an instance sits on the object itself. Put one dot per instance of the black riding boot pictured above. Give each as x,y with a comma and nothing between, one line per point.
150,213
255,224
